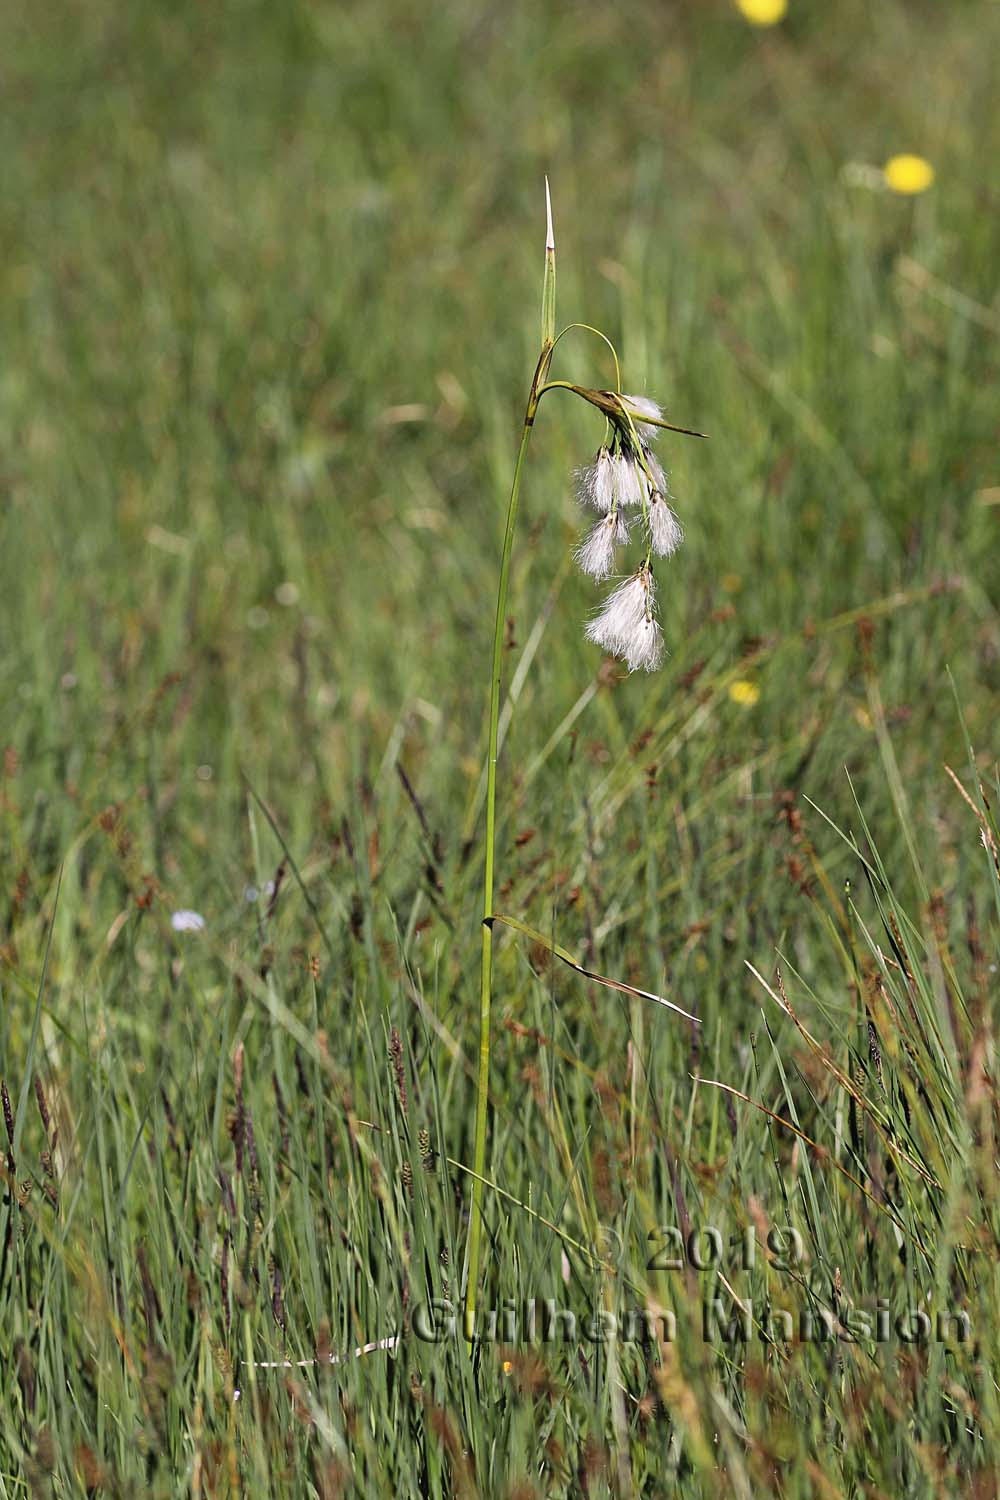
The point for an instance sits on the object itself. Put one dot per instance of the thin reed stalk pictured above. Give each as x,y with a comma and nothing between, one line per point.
496,671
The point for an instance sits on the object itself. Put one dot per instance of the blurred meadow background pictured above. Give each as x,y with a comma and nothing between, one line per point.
269,291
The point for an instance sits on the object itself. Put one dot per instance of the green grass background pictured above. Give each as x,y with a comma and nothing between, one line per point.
269,285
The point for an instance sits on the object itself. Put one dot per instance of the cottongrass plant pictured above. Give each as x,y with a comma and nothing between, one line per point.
626,485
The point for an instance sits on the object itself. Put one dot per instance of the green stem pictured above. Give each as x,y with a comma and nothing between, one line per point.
589,328
485,995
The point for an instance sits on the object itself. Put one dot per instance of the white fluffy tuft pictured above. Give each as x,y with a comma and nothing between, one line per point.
645,647
664,528
623,612
595,484
642,406
655,471
626,626
629,480
596,553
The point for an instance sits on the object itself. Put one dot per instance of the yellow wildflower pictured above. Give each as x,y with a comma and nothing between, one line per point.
744,692
908,174
762,12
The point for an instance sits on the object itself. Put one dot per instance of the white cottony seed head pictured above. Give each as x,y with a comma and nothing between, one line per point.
625,475
655,471
629,481
642,406
187,921
626,626
596,482
596,553
624,611
664,528
645,648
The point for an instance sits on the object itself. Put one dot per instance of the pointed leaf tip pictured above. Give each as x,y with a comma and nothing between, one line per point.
550,238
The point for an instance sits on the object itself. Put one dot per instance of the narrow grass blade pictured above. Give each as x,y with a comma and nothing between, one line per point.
573,963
